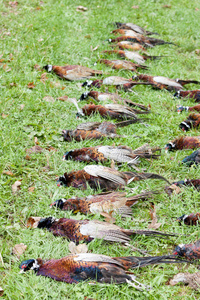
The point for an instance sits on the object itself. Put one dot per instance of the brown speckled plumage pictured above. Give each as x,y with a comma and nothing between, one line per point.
94,130
84,266
104,203
105,178
195,94
123,64
73,72
184,142
192,121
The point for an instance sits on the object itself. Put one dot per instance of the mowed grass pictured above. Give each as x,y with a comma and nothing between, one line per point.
54,32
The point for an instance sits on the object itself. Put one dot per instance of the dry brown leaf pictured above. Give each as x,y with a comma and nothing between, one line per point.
27,157
16,186
88,36
19,249
196,8
50,148
7,33
35,149
4,116
172,189
21,107
55,84
49,99
193,280
37,67
36,140
154,223
81,248
81,8
2,60
63,98
13,3
13,84
166,6
9,173
95,48
30,85
31,189
32,222
43,77
1,291
197,51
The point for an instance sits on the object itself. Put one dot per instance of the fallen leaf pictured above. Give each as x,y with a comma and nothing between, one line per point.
81,248
7,33
81,8
154,223
63,98
36,140
1,291
95,48
49,99
166,6
135,6
19,249
172,189
55,84
193,280
9,173
32,222
30,85
197,51
50,148
22,106
13,84
31,189
27,157
112,164
4,116
43,77
35,149
37,67
2,60
196,9
16,186
88,36
13,3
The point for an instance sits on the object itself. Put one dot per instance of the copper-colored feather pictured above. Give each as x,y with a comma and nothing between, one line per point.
195,94
184,142
105,203
72,72
192,121
103,177
114,97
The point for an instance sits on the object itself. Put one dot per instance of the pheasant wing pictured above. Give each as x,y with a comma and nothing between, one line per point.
106,173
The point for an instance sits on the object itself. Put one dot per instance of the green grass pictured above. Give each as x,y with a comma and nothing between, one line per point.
54,32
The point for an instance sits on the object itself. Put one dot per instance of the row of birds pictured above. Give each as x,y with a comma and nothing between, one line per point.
84,266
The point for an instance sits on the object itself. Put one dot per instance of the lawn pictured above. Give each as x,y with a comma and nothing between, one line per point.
54,32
